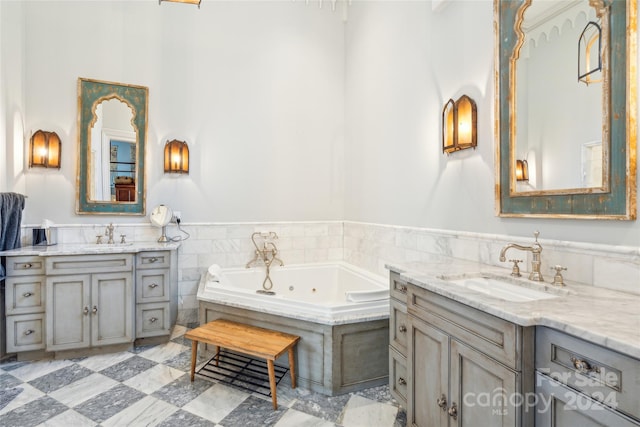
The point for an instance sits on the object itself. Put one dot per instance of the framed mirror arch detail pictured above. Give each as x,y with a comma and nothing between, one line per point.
112,128
572,173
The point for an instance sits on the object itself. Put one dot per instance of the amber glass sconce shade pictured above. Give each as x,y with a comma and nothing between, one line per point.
590,53
522,170
459,121
176,157
44,150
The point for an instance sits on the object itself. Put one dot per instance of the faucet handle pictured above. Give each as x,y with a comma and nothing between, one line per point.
515,271
122,238
557,279
98,239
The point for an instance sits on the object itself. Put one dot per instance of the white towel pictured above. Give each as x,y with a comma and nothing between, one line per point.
214,272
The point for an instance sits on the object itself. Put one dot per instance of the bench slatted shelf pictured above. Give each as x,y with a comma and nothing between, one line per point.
250,340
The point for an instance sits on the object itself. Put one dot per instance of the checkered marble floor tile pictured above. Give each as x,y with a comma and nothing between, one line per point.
150,386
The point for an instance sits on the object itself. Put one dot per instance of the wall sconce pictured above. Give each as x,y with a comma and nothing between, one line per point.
182,1
522,170
589,54
459,122
44,150
176,157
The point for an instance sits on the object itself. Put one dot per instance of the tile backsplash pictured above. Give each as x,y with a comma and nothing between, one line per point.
369,246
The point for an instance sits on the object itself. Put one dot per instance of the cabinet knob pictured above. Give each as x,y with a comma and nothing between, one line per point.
442,402
29,331
153,285
402,329
27,294
86,311
403,289
453,411
94,310
153,320
402,381
583,366
153,259
27,265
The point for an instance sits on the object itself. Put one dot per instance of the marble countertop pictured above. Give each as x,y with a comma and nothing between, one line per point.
90,249
602,316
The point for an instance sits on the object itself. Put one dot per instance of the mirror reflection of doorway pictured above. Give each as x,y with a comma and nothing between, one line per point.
122,170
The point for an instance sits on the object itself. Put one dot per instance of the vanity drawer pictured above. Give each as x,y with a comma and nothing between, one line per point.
605,375
489,334
152,320
398,289
152,285
398,376
83,264
24,265
25,332
398,326
24,294
156,259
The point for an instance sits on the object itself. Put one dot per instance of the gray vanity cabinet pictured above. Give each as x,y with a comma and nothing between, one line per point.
93,308
465,367
25,304
153,294
581,383
398,341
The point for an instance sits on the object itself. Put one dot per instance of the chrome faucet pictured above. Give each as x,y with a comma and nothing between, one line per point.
535,250
109,233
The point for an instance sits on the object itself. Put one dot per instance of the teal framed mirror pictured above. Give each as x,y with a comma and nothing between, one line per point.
577,136
112,130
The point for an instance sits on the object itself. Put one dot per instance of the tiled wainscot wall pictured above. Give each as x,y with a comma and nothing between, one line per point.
370,246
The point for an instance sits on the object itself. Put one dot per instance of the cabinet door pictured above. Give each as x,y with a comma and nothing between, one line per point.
111,308
560,406
428,353
68,312
483,390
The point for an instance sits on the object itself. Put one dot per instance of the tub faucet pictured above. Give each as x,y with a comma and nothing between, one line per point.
535,250
267,254
109,233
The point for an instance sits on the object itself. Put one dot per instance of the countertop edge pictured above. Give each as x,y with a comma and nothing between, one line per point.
590,318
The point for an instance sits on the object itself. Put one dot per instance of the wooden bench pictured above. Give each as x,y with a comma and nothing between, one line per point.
251,340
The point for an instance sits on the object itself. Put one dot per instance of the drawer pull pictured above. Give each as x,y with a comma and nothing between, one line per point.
402,329
152,260
402,381
583,366
27,265
403,288
442,402
94,310
453,411
153,320
27,294
153,285
86,310
29,331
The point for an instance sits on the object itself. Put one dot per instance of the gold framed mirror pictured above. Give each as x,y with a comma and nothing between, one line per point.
574,129
112,128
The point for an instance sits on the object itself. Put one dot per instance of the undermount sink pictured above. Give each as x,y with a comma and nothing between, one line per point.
504,288
107,245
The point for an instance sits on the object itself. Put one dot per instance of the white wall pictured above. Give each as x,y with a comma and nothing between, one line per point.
260,91
404,61
255,88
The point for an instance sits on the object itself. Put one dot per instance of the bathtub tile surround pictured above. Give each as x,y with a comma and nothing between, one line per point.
369,246
114,390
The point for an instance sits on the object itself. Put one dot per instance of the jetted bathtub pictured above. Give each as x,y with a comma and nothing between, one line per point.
340,311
